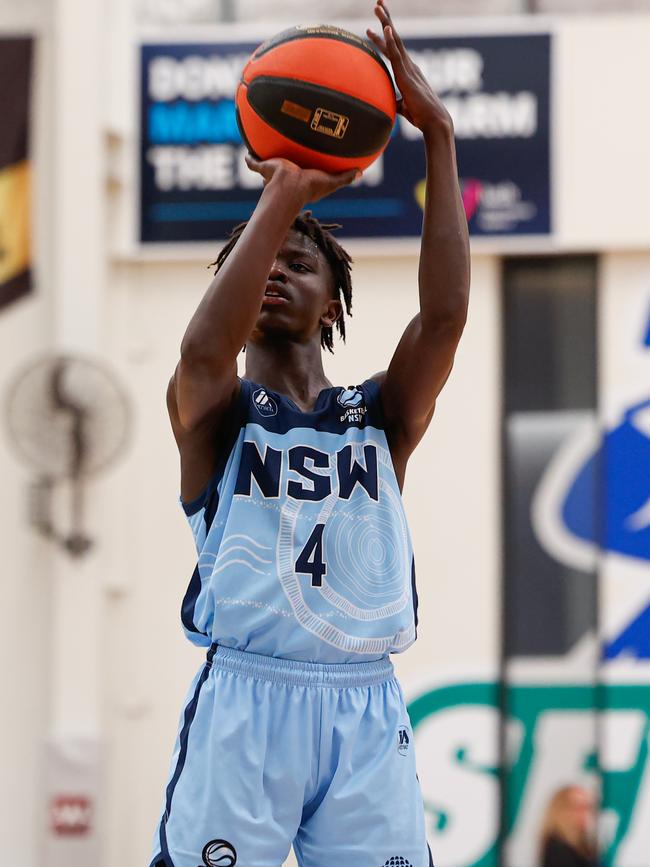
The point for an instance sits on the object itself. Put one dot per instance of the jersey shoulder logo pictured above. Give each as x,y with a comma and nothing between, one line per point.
351,399
264,404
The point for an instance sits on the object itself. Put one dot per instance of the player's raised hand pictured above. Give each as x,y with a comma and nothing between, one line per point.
418,104
309,184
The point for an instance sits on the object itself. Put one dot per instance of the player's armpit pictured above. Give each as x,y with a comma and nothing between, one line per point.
202,393
416,374
199,447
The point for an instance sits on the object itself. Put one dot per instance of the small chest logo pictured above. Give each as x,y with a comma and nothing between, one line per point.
264,404
397,861
351,399
219,853
403,740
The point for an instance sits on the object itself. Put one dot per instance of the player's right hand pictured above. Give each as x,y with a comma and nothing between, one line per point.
309,185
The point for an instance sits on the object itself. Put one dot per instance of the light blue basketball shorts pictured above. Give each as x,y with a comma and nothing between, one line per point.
272,752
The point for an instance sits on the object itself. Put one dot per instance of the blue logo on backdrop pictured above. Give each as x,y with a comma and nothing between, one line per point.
604,503
613,482
195,184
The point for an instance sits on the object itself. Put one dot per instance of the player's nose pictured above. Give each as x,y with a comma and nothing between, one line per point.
277,273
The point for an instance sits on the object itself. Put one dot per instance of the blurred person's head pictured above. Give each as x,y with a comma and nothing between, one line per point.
570,817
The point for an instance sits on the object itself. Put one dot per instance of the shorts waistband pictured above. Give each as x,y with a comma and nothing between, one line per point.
297,673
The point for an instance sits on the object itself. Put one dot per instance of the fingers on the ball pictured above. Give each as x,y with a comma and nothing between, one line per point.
386,23
387,20
381,14
378,41
345,178
393,50
385,10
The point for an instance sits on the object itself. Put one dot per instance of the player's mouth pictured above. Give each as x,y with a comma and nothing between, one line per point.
274,295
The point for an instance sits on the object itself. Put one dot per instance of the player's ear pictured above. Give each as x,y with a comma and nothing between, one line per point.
332,312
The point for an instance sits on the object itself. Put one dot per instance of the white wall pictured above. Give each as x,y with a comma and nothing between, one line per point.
602,128
25,634
200,11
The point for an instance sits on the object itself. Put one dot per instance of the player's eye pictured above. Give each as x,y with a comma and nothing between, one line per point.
299,266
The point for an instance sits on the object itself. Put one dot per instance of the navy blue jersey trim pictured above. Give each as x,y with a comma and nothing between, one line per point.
414,596
212,500
209,500
188,718
188,604
430,856
237,421
320,400
281,414
159,861
191,507
375,415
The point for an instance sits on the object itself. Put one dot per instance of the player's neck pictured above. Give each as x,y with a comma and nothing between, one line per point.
293,369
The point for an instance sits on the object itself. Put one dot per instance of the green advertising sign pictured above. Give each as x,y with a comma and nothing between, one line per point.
554,734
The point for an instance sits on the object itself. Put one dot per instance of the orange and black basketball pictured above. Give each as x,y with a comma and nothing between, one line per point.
319,96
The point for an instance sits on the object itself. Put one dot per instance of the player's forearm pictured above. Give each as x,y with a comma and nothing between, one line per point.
444,259
231,306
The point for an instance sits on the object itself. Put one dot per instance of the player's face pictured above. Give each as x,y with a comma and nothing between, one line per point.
298,299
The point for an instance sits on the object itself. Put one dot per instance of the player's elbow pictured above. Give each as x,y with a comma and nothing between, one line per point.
447,321
194,352
181,414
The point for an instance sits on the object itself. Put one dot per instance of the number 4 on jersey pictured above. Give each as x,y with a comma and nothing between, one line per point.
310,560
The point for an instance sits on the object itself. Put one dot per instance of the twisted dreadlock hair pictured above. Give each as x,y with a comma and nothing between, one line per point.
338,259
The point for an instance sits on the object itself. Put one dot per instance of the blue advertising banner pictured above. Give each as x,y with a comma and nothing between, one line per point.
195,184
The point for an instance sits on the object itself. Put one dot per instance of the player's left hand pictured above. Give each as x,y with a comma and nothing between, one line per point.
418,104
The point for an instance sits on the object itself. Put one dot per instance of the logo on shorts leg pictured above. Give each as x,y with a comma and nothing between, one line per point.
219,853
403,740
397,861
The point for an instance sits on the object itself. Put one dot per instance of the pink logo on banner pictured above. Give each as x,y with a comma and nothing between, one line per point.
71,815
471,192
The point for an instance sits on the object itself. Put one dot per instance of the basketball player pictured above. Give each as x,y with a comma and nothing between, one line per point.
295,729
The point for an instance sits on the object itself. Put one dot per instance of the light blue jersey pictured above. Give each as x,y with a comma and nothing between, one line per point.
304,551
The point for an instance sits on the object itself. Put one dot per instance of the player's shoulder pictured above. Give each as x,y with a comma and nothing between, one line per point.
222,415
